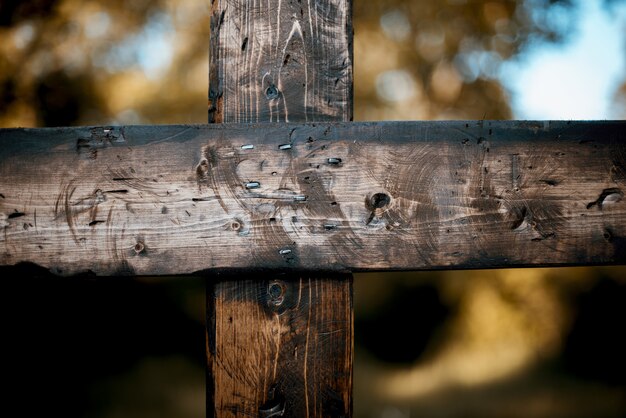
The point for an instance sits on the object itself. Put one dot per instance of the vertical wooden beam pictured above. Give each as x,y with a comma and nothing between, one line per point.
278,345
280,61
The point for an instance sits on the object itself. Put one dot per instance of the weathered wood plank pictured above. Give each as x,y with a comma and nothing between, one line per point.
345,196
281,346
280,61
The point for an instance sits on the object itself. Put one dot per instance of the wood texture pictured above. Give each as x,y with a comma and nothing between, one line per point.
278,60
282,347
173,199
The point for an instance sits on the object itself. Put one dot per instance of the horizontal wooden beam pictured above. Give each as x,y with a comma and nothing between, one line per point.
152,200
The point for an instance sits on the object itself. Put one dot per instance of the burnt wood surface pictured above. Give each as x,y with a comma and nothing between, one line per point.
343,196
280,346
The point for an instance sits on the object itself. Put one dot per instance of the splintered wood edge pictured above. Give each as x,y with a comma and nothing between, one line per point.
158,200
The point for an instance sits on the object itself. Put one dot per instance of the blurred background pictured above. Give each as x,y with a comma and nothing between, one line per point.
501,343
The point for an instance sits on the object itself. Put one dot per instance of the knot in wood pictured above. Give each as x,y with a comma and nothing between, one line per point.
139,247
276,293
379,200
235,225
275,405
272,92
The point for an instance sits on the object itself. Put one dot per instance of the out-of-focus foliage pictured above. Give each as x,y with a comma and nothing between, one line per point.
437,59
72,62
502,343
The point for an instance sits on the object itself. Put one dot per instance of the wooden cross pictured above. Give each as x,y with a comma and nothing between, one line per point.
278,215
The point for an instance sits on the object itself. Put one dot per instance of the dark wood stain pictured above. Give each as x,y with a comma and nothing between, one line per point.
281,61
287,349
278,346
447,201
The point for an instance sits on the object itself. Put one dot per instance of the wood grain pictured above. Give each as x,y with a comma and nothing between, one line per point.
282,346
173,199
271,61
280,61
